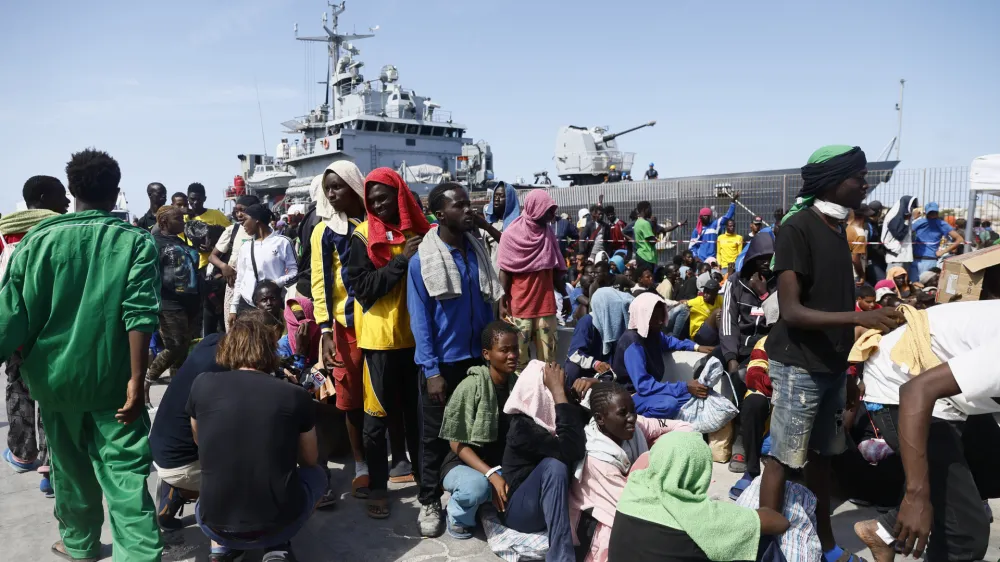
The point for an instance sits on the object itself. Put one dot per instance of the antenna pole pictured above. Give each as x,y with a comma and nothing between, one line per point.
260,115
899,109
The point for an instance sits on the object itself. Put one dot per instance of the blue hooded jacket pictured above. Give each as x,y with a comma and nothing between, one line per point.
512,209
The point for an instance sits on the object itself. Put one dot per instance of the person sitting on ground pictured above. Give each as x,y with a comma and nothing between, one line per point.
743,322
885,294
644,280
302,335
936,380
866,299
596,334
179,295
616,436
545,438
603,277
706,311
665,515
755,411
576,271
476,426
246,417
668,286
638,361
268,256
532,271
901,279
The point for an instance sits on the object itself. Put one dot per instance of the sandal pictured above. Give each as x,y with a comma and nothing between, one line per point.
378,507
59,549
359,487
738,464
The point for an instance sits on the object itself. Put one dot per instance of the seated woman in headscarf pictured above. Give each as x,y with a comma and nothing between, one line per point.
901,279
545,437
301,340
639,361
665,515
595,335
616,436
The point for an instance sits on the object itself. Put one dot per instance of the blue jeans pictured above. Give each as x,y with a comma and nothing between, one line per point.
919,266
469,489
677,321
541,503
808,414
314,483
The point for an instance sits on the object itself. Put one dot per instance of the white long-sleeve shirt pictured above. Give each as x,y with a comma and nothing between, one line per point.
275,258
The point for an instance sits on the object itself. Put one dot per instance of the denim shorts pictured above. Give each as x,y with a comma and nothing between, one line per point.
808,414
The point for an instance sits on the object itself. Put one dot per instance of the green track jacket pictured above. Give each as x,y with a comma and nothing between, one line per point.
74,288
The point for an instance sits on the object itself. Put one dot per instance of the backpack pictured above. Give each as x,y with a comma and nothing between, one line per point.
179,269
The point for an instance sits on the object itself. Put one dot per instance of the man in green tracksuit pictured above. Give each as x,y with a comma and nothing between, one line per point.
80,297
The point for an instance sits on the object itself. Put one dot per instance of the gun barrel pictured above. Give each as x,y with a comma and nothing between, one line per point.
612,136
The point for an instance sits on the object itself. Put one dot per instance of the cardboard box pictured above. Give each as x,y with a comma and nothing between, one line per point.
962,276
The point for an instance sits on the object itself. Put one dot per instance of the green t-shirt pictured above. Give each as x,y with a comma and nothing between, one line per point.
643,231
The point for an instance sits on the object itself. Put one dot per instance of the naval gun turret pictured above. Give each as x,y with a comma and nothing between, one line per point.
586,156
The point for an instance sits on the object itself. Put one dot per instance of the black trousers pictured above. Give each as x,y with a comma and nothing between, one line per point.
433,449
390,390
960,529
753,417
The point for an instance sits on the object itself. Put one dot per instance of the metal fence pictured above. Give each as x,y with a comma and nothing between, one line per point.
681,199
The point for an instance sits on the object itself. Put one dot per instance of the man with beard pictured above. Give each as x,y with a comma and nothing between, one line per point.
450,291
808,347
157,194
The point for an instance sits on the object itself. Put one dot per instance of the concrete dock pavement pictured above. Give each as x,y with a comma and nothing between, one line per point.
28,528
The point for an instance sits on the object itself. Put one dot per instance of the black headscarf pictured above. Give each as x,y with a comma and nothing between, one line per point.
248,200
817,176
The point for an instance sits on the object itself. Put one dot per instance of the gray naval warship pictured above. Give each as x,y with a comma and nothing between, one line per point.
372,122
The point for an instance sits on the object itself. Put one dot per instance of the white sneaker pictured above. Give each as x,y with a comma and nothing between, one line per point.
431,520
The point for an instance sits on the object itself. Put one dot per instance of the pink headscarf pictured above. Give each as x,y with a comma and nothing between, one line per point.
640,311
530,397
292,324
527,246
704,212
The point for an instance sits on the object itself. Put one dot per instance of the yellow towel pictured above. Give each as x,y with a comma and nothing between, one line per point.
913,350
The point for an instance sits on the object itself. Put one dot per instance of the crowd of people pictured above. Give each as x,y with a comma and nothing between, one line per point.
424,337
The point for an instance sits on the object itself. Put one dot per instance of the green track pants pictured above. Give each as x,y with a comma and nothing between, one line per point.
91,452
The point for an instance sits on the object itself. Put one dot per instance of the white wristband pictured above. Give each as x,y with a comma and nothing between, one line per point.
492,471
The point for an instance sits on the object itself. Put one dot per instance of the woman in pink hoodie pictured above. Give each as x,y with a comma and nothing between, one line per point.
616,436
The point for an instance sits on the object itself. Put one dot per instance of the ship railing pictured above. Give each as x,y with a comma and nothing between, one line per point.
376,109
761,195
600,162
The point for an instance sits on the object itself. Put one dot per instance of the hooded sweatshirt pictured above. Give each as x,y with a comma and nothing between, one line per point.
897,237
76,285
743,321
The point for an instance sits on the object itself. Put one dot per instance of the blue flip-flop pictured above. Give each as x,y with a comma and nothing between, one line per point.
737,490
19,467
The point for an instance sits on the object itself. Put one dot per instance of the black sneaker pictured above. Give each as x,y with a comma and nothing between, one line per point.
171,503
401,473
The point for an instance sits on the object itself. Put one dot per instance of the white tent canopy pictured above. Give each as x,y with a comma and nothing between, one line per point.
984,174
984,178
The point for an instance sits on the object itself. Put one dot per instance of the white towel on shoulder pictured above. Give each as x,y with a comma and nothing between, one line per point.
441,277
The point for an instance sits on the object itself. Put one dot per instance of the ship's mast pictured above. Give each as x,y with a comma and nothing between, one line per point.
334,40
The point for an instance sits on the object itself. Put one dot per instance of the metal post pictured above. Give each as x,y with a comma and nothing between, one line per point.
899,108
923,187
970,214
784,193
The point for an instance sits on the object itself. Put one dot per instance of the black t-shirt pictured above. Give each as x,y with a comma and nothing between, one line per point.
638,540
170,439
687,289
147,221
492,453
822,258
248,441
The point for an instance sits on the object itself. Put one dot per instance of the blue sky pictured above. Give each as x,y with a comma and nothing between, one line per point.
168,88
